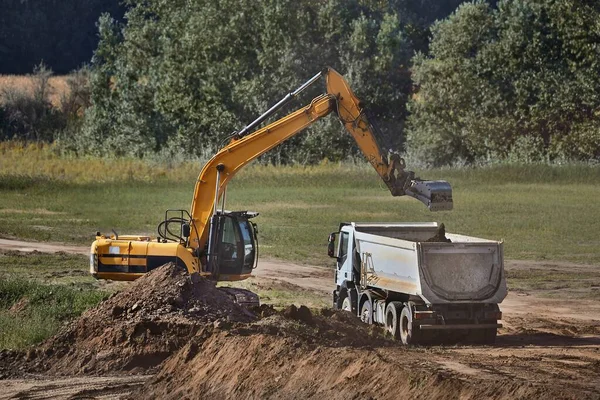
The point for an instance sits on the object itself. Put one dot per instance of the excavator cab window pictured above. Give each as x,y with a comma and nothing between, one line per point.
228,250
237,246
249,245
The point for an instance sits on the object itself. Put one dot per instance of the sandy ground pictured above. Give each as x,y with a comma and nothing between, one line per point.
545,340
87,387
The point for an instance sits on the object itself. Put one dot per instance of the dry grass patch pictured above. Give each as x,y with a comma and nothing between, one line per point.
57,84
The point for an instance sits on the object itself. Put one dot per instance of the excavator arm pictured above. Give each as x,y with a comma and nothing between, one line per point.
436,195
127,257
217,172
246,146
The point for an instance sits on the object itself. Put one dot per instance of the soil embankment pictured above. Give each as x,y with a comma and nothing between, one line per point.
169,335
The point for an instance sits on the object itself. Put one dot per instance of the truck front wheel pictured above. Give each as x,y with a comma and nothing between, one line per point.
346,304
409,334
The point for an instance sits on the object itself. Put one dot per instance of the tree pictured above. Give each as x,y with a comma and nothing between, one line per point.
180,76
518,82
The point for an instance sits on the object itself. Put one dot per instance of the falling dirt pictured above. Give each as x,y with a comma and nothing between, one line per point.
170,336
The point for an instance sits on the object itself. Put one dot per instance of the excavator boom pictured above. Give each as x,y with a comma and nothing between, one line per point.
219,170
245,147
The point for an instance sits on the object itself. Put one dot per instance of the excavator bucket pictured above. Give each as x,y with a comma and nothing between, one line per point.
436,195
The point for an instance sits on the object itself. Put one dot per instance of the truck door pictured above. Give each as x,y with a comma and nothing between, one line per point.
344,262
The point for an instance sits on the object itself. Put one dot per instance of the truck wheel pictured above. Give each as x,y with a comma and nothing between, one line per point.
366,312
346,304
392,318
409,334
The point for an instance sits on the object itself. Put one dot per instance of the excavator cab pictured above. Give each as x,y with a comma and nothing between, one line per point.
233,245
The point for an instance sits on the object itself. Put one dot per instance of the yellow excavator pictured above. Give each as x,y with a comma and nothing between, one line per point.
222,245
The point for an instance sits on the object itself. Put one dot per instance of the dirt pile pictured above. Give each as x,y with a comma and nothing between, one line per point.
138,328
300,355
200,344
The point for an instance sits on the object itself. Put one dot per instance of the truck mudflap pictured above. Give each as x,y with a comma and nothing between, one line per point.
459,326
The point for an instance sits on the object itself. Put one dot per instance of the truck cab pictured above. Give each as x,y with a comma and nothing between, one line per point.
347,268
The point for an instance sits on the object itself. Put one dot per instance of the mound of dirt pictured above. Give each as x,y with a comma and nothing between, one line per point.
300,355
138,328
200,344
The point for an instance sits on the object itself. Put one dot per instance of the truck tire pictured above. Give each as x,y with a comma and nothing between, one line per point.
340,299
366,312
346,304
409,334
392,318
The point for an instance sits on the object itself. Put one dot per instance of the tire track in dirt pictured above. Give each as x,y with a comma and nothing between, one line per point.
89,387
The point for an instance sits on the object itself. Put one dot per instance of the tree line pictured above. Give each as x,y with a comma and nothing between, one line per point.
446,82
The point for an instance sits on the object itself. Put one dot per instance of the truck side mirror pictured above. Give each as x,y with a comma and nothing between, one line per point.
331,245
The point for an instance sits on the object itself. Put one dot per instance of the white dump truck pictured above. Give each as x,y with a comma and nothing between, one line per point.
423,285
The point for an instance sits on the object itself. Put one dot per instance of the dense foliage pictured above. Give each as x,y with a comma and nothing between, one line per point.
61,33
520,82
514,80
182,75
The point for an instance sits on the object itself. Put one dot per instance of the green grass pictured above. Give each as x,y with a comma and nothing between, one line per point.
541,212
40,292
545,282
31,311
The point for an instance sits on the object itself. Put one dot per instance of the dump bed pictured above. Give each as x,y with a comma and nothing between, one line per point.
397,257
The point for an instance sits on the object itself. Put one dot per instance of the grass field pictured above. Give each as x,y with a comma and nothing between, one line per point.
40,292
541,212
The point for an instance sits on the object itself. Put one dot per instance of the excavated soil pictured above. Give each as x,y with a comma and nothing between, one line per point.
192,341
331,356
134,330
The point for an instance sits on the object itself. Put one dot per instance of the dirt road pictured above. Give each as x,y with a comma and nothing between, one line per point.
549,338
